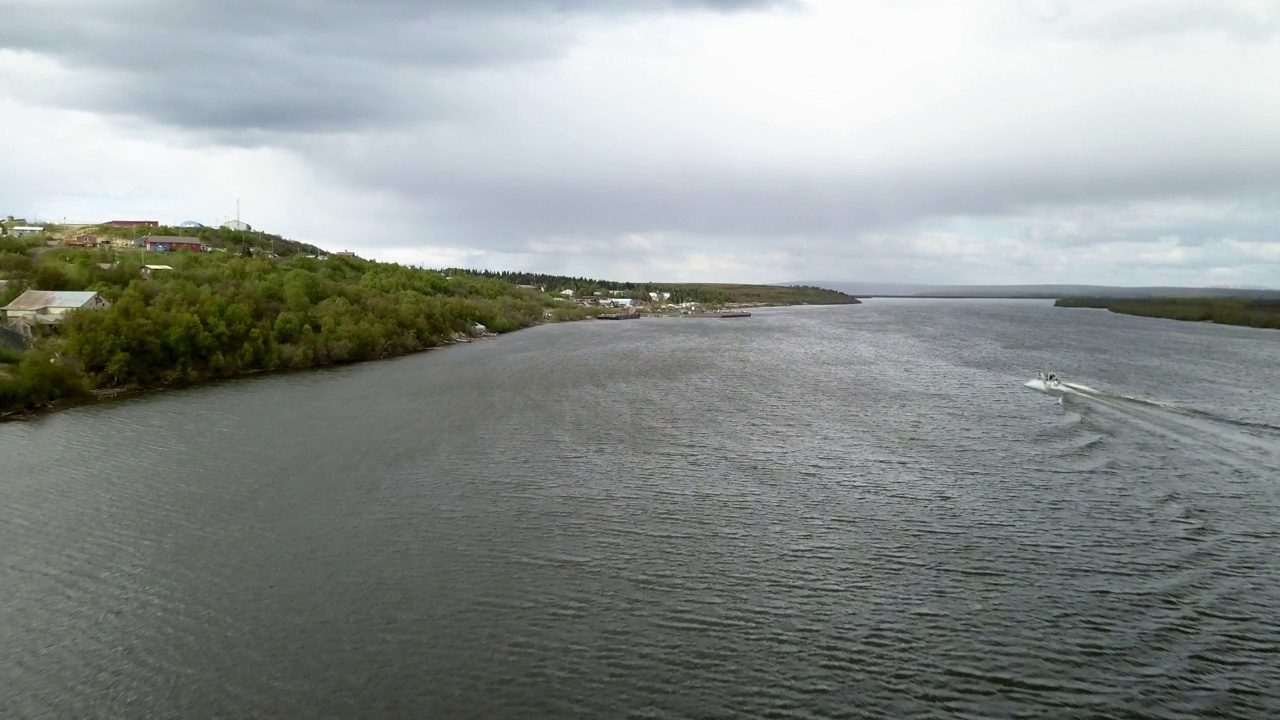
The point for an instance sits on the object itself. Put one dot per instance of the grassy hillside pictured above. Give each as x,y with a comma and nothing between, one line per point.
233,241
1227,311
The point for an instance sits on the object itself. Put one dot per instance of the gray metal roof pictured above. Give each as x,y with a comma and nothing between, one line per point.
37,299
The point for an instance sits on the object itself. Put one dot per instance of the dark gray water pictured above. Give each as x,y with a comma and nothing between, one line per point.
813,512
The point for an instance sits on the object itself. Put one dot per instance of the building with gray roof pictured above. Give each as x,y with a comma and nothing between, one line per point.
50,306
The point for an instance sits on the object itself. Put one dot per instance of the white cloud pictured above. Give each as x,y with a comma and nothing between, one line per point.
908,140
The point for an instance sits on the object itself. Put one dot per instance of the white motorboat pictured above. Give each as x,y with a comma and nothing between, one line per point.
1047,382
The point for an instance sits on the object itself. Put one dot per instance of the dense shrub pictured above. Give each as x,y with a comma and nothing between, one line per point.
220,314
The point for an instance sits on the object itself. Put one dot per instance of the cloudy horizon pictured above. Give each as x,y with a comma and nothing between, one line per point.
913,141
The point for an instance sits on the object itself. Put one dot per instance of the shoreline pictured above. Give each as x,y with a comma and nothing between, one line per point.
109,395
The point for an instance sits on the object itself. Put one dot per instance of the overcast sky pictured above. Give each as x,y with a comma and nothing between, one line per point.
984,141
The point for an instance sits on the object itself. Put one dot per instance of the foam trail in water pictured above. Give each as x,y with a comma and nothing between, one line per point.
1168,419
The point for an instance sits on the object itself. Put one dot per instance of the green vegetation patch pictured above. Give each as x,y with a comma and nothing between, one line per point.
220,314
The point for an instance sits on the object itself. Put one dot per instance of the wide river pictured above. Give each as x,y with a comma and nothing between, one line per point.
812,512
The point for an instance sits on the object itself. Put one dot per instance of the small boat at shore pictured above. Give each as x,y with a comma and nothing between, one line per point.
619,316
734,314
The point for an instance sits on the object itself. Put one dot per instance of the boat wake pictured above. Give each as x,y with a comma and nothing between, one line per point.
1167,418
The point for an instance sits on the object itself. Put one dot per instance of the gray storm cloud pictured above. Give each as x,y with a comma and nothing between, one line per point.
984,138
320,66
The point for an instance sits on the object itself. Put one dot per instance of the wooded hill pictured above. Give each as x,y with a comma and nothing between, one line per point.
219,314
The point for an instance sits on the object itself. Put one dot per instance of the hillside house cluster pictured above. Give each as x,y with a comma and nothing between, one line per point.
598,299
611,298
171,243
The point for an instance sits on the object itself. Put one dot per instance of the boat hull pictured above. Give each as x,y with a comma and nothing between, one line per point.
1051,387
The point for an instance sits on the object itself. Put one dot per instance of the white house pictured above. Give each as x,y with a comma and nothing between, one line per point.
147,270
50,306
566,292
237,225
659,296
21,230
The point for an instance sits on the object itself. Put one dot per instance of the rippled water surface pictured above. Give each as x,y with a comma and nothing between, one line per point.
812,512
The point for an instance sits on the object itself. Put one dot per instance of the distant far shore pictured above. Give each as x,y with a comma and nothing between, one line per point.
959,297
1224,311
1037,292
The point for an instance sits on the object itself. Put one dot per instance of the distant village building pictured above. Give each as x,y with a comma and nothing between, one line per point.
21,230
49,306
659,296
132,223
168,243
81,241
566,292
146,270
237,225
